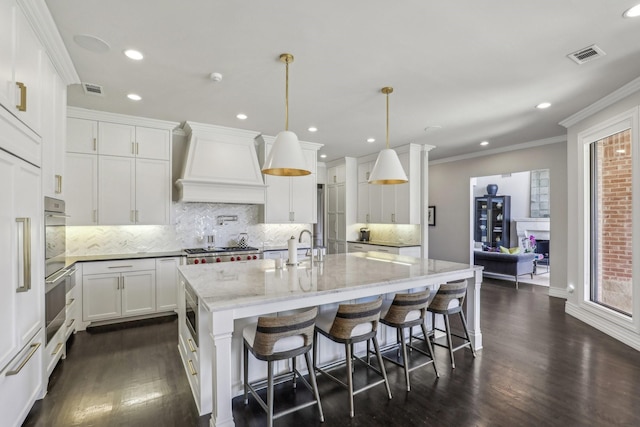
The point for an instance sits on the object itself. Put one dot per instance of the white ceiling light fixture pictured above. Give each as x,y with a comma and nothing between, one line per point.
371,140
323,156
484,143
136,55
286,157
134,97
313,129
387,169
241,116
543,105
632,12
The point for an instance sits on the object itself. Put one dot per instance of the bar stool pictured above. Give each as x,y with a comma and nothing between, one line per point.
448,300
352,323
280,338
407,311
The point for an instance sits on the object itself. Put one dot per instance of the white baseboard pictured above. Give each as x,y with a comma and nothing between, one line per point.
623,335
557,292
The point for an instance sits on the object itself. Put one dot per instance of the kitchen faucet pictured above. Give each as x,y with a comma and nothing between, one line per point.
310,242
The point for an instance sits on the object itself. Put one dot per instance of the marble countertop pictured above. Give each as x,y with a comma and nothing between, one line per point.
234,285
390,244
70,260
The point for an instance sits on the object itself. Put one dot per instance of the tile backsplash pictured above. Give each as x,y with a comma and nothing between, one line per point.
394,233
192,223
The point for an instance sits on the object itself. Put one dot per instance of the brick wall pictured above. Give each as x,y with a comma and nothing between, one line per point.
615,220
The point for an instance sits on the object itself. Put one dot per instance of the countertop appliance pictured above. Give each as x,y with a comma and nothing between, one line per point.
365,234
222,254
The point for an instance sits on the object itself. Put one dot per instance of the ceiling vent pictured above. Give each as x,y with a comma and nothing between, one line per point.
92,89
586,54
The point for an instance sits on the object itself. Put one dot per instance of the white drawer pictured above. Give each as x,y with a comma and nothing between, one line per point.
55,349
102,267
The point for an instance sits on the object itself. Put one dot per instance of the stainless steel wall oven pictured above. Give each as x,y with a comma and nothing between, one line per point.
56,276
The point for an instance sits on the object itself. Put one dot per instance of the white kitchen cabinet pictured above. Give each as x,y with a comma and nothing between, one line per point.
167,283
369,209
7,49
116,190
55,350
341,204
82,202
115,289
116,139
82,136
53,130
336,174
73,309
290,199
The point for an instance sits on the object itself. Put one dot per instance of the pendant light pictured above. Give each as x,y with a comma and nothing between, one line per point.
387,169
286,157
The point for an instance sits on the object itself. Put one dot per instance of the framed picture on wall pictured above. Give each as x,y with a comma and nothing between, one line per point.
431,215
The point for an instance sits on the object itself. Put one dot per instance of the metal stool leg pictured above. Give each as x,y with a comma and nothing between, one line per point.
269,394
246,373
293,364
384,372
405,361
430,347
466,333
314,384
349,378
449,340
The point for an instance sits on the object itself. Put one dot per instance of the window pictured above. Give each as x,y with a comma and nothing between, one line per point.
611,244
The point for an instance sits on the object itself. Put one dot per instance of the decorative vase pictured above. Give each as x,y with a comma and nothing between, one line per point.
492,189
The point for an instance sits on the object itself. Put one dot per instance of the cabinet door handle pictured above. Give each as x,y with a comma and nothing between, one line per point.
95,215
58,184
57,349
191,368
191,347
71,323
23,96
368,174
393,217
95,144
367,215
71,301
34,348
26,254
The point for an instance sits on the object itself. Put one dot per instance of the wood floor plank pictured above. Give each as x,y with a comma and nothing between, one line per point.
539,367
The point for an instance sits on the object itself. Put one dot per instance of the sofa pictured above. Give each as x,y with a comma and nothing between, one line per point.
508,264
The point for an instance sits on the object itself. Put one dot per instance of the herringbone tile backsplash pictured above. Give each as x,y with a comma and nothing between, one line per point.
192,222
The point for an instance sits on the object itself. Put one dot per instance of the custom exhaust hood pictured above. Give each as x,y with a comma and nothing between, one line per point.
220,166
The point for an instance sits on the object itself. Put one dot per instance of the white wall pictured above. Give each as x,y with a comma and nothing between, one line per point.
625,330
450,191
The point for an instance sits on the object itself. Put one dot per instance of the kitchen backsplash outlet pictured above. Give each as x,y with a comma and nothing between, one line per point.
193,222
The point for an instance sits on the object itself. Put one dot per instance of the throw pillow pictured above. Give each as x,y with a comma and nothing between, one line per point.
504,250
511,251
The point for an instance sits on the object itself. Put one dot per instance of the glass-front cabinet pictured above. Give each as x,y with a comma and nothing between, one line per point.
493,220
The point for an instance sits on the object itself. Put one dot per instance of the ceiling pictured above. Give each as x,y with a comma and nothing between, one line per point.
465,71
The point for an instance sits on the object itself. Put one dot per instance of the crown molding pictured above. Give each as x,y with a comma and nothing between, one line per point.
524,145
615,96
47,32
103,116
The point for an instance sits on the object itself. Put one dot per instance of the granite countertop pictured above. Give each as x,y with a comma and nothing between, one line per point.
234,285
282,248
70,260
390,244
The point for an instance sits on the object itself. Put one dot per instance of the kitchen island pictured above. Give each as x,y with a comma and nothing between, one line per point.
230,295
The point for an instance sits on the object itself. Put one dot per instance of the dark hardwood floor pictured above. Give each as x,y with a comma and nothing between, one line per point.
538,367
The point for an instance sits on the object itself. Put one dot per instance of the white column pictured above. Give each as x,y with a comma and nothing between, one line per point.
221,368
424,200
473,310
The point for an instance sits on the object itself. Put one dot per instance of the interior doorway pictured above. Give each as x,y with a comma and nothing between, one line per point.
513,218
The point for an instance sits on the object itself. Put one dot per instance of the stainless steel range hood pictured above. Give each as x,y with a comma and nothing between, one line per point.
220,166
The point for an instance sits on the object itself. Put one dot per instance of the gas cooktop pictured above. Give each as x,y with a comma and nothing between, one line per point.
217,250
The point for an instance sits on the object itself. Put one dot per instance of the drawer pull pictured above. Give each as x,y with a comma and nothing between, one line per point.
71,323
57,349
191,368
95,144
121,266
23,96
34,348
191,347
71,301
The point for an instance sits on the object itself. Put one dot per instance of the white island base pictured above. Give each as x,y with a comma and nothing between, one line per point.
231,295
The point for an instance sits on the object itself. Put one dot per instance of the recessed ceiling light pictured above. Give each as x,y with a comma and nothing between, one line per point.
483,143
370,140
543,105
134,54
241,116
632,12
134,97
313,129
323,156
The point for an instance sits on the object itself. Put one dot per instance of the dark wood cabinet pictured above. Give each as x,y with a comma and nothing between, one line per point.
493,220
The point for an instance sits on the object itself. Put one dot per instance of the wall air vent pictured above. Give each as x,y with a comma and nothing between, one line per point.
92,89
586,54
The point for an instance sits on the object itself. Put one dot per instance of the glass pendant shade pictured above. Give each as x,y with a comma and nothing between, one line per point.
388,169
286,157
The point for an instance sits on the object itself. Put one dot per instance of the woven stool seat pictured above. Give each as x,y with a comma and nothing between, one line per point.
349,324
280,338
